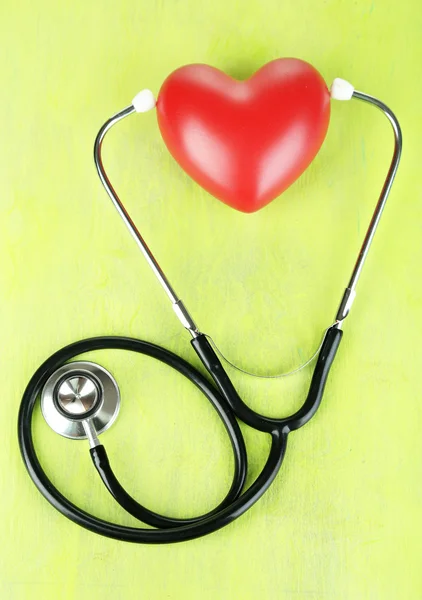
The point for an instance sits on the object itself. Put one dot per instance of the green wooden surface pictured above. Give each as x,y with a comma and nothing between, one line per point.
343,519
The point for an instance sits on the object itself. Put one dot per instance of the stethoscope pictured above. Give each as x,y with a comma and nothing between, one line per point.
80,399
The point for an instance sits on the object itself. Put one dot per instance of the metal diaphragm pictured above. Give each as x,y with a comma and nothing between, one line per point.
76,392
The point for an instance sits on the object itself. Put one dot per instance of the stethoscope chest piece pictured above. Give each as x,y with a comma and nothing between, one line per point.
80,396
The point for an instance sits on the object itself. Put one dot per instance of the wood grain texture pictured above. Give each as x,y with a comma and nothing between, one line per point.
343,519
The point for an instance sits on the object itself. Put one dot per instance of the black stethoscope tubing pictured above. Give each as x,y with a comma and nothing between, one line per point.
228,406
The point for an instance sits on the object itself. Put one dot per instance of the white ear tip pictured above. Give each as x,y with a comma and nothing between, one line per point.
341,89
144,101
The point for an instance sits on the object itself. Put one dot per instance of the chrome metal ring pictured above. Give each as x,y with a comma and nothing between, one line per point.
76,392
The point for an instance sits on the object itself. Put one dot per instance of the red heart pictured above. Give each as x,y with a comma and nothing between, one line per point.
245,142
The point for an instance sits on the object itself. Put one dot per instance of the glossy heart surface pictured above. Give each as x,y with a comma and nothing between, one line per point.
244,142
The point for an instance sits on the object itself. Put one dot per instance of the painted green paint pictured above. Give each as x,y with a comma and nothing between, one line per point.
343,520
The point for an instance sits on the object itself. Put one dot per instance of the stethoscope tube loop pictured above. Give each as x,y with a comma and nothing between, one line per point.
38,381
227,403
